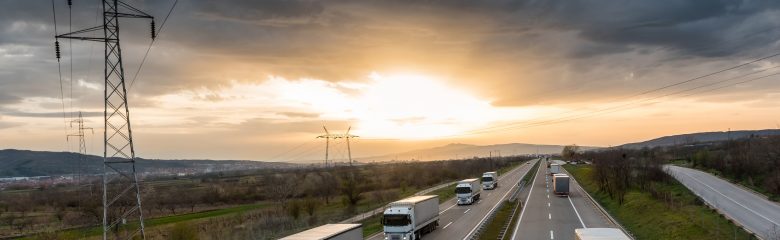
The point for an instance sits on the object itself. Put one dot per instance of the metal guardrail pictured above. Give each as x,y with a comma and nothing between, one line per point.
710,206
483,225
601,209
369,214
492,214
505,228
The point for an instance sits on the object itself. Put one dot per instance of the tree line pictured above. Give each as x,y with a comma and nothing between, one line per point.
300,193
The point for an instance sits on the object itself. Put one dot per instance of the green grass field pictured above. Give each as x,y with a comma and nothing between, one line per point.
681,217
95,231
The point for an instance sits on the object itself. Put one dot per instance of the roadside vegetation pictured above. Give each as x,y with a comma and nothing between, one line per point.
634,189
256,204
753,162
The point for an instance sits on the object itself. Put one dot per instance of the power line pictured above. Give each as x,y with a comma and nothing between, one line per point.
143,60
291,149
628,106
59,65
123,199
524,124
70,55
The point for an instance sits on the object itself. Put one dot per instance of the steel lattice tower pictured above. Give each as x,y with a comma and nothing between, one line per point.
121,191
82,142
328,136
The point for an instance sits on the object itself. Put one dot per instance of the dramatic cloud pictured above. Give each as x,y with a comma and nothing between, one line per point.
208,73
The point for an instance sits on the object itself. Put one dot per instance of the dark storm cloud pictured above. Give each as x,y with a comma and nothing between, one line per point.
261,10
706,28
341,39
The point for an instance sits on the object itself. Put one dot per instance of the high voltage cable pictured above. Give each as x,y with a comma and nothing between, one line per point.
709,90
59,66
746,81
292,149
150,45
629,105
509,126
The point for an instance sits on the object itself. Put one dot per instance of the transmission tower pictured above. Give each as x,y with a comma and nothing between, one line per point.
121,192
328,136
82,143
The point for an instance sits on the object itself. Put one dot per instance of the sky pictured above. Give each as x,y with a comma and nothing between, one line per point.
257,80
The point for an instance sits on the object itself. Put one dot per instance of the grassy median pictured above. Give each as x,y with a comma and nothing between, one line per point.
681,215
502,216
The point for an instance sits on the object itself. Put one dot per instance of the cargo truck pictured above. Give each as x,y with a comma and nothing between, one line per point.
561,184
490,180
468,191
555,168
410,218
330,232
599,234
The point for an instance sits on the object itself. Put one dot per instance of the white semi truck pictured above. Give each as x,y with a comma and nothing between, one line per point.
410,218
490,180
555,168
330,232
561,184
467,191
599,234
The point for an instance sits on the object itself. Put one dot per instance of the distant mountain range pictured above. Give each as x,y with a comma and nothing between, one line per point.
461,151
700,137
25,163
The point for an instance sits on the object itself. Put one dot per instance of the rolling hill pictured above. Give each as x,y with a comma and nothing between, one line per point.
699,138
26,163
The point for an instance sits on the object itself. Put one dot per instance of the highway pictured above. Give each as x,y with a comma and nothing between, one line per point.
752,211
547,216
456,222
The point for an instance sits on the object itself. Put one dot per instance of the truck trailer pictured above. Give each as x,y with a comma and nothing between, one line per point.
410,218
490,180
599,234
555,168
468,191
561,184
330,232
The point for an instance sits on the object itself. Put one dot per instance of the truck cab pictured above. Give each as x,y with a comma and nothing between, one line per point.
489,180
410,218
398,223
467,191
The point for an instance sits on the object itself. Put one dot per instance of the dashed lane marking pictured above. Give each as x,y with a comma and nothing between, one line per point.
445,226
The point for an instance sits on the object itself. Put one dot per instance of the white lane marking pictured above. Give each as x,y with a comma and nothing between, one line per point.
517,226
727,197
548,204
549,216
467,210
448,208
494,206
445,226
551,235
548,196
575,211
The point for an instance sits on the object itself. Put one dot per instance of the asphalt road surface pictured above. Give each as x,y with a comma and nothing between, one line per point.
547,216
756,213
456,222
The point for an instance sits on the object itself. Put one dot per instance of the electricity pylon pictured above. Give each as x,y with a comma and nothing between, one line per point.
121,192
327,136
82,143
